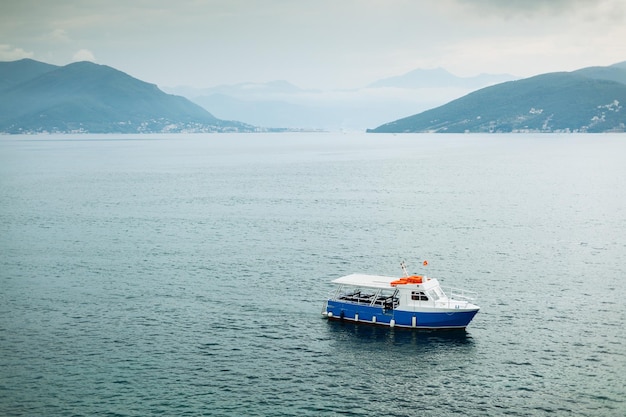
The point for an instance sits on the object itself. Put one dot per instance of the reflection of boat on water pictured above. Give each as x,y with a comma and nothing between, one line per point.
415,301
359,336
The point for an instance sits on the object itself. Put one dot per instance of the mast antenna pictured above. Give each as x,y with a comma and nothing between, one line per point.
403,266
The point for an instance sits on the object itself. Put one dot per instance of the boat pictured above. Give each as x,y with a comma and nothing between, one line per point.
411,301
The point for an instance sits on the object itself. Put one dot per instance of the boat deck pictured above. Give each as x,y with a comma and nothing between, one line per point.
377,299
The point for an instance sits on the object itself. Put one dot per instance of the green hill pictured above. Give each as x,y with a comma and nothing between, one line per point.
86,97
612,73
16,72
587,100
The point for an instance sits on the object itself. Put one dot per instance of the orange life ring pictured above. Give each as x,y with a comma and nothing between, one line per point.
425,263
413,279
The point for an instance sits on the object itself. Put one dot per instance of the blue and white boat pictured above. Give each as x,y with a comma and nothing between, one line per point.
416,301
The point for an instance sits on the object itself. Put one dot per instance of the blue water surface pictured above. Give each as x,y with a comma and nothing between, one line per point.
185,275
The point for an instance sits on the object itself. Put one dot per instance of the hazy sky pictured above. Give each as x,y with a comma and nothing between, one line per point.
325,44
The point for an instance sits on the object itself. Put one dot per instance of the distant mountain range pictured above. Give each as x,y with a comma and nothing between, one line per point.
439,77
587,100
276,103
86,97
280,103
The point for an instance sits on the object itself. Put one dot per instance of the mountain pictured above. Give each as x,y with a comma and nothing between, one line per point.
271,104
16,72
587,100
439,77
87,97
616,72
326,110
242,91
280,103
270,112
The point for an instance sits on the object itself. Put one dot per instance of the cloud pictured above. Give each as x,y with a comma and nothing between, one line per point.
58,35
324,44
84,55
9,53
528,8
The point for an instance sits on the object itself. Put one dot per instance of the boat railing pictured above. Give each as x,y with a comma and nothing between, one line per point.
459,294
357,297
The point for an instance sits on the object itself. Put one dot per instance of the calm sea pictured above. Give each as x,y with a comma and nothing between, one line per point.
185,275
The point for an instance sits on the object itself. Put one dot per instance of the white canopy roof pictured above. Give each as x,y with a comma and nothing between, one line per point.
364,280
376,281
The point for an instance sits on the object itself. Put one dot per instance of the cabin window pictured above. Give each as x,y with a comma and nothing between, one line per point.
418,295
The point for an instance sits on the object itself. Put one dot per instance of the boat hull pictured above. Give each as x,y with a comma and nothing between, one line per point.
448,319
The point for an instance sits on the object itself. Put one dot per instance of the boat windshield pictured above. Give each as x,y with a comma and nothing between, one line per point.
436,293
